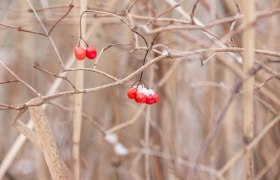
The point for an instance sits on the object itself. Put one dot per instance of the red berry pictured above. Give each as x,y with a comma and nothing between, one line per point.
140,98
150,99
91,52
156,98
80,53
131,93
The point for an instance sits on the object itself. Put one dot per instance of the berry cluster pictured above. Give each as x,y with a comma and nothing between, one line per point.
142,95
81,53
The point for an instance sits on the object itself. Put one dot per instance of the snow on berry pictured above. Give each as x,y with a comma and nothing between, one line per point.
141,94
140,87
150,92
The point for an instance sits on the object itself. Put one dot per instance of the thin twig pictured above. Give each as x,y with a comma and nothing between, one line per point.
55,75
250,146
193,11
23,30
162,13
148,64
217,123
50,38
19,142
9,81
248,40
270,164
71,5
94,70
127,123
104,49
20,80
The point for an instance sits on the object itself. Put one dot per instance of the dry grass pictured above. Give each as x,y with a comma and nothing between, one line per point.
209,58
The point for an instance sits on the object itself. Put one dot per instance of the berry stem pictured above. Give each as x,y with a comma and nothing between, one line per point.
147,51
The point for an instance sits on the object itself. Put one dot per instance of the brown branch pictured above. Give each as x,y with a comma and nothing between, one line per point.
250,146
5,106
130,6
50,8
20,80
106,48
217,123
48,33
8,81
193,11
227,49
265,82
163,19
274,60
273,160
71,5
18,28
94,70
162,13
148,64
55,75
259,16
127,123
237,7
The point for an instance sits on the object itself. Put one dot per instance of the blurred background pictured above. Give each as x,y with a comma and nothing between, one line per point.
164,139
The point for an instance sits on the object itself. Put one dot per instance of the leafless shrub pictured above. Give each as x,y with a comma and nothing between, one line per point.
213,63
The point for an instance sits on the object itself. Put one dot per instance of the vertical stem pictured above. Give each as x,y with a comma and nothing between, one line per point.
211,96
147,132
230,129
42,172
248,116
147,143
77,123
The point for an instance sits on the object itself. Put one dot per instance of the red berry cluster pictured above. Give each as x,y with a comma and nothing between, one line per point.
81,53
142,95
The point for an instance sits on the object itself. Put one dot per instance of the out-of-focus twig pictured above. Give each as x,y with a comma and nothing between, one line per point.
217,123
9,81
250,146
20,80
